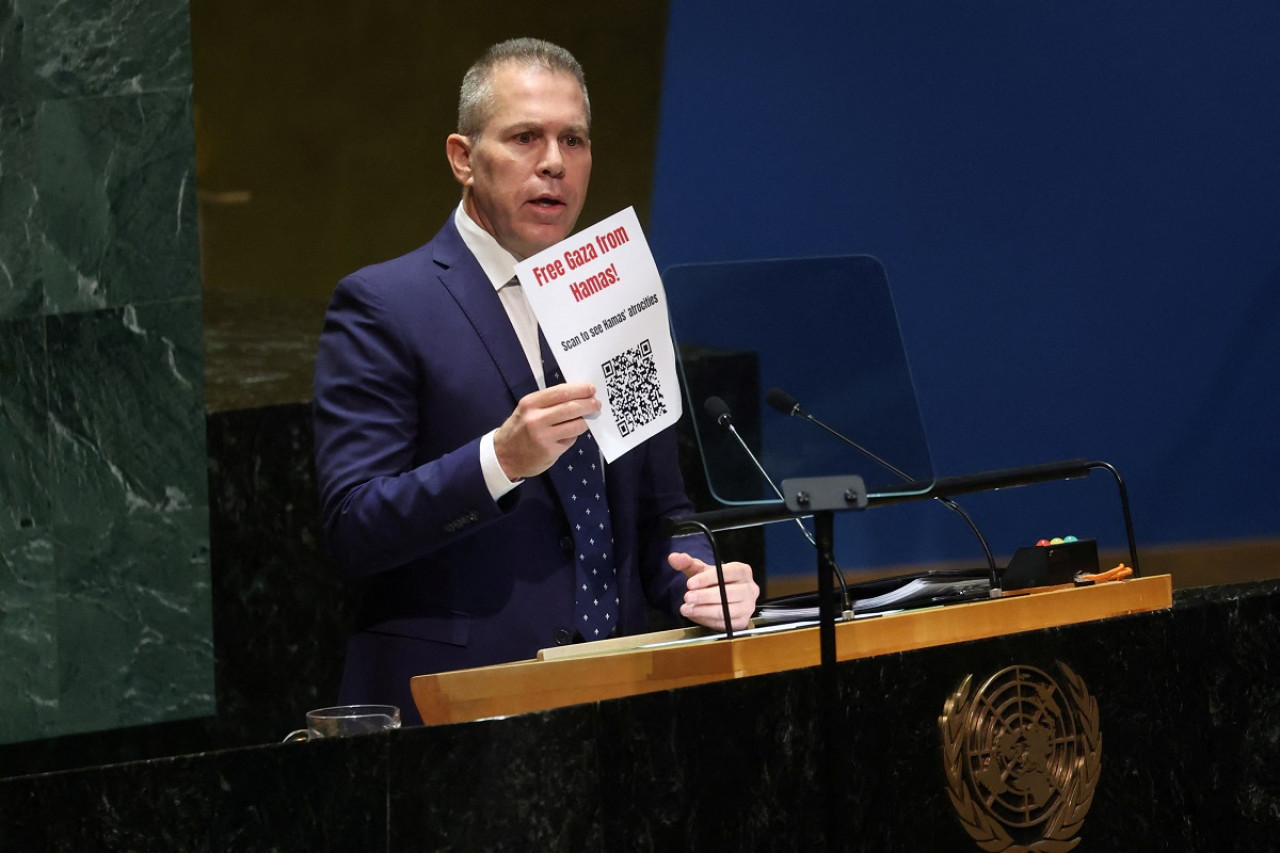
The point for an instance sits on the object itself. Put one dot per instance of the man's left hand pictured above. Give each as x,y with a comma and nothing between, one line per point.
702,596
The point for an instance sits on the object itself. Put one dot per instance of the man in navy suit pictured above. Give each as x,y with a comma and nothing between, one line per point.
435,427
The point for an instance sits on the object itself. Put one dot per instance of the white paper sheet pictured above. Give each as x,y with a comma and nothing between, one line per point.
600,302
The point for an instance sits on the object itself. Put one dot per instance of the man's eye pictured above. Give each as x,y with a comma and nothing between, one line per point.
573,141
524,138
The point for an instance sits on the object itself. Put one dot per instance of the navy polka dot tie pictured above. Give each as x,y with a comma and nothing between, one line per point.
578,476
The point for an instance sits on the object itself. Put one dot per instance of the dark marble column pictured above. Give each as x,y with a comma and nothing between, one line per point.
105,617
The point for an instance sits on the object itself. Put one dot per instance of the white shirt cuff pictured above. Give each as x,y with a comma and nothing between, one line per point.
494,477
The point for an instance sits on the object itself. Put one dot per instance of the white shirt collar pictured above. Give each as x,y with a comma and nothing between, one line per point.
498,264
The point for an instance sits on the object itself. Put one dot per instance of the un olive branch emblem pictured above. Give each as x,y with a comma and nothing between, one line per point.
1022,759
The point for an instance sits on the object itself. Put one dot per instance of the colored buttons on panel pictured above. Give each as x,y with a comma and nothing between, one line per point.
1057,540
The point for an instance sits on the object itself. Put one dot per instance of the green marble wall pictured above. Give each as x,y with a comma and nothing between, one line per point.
105,617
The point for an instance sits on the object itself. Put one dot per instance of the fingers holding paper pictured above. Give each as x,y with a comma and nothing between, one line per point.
702,594
544,425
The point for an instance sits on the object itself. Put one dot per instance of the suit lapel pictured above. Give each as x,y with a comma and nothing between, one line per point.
462,276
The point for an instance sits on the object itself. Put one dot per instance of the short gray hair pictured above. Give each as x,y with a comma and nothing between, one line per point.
476,99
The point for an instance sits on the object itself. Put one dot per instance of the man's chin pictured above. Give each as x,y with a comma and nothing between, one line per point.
538,238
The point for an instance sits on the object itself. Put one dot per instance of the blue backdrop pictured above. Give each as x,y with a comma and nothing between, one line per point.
1078,206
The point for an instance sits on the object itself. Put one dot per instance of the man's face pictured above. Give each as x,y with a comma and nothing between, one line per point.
527,175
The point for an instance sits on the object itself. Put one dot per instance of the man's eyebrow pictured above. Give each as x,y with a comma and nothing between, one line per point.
519,127
533,126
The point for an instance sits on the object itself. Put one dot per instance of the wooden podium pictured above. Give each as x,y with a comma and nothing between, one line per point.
647,663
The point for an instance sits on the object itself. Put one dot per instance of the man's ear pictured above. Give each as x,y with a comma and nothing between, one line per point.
458,149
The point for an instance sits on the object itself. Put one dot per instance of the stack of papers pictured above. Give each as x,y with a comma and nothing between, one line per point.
902,593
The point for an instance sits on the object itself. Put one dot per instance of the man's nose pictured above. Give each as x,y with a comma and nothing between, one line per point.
552,159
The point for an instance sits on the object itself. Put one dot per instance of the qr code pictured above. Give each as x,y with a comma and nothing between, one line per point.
631,382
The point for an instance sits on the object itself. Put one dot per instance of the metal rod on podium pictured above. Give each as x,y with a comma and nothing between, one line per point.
823,497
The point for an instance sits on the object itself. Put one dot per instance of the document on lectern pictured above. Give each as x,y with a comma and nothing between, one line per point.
888,594
600,302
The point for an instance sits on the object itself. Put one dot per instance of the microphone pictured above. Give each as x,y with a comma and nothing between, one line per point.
786,404
783,402
719,412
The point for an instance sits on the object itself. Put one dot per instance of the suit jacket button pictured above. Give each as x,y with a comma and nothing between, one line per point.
566,544
563,636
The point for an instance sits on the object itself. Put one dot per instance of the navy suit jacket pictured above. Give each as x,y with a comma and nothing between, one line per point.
417,361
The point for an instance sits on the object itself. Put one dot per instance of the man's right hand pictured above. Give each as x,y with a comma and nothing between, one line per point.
544,425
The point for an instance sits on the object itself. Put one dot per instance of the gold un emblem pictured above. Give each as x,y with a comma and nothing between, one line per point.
1022,759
